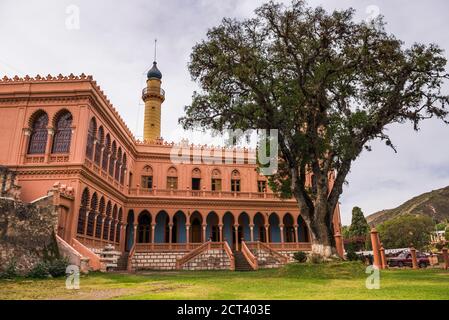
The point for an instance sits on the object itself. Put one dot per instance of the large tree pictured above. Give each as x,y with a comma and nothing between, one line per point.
330,85
359,227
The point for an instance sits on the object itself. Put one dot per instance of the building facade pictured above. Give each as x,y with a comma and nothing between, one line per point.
129,193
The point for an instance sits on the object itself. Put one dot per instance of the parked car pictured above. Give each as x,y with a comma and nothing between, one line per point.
404,259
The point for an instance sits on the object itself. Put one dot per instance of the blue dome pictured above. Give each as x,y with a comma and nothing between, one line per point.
154,72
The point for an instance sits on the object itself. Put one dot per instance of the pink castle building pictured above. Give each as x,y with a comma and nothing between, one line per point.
129,194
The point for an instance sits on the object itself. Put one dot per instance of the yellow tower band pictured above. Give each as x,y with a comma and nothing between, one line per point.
153,96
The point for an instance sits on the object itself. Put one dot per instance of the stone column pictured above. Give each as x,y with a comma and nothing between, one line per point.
100,164
95,224
153,227
188,235
382,257
170,231
109,229
86,222
281,228
414,260
102,228
220,230
25,143
267,236
135,235
445,258
251,230
339,245
51,131
296,236
375,245
204,233
236,230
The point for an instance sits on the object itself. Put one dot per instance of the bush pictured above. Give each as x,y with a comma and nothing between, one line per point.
39,271
351,254
57,267
10,271
316,258
300,256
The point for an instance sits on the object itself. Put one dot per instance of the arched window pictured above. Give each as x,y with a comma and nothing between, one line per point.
119,226
38,138
112,160
107,221
118,163
147,178
63,133
107,146
92,214
172,178
196,179
82,211
216,180
100,219
99,145
122,174
91,138
235,181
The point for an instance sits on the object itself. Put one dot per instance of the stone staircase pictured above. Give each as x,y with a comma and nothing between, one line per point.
122,263
241,264
109,257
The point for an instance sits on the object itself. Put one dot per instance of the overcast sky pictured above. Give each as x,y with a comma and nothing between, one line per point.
115,40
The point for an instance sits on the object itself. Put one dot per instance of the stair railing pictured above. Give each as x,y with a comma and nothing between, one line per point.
281,257
130,258
228,251
249,256
192,254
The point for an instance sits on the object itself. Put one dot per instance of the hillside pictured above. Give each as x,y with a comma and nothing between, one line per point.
434,204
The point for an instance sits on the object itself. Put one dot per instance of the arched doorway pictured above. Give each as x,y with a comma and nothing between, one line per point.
129,234
196,222
228,229
179,228
144,227
303,230
244,230
259,228
273,229
289,229
212,230
161,231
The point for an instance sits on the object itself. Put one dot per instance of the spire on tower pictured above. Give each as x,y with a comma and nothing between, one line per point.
155,50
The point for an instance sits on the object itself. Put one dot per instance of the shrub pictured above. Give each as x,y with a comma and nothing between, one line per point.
300,256
351,254
39,271
57,267
10,271
316,258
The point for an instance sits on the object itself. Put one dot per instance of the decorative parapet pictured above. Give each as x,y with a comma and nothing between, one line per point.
70,78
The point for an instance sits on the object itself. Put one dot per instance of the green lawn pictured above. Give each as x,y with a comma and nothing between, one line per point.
335,280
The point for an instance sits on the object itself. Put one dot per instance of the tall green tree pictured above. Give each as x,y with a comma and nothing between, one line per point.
330,85
406,230
359,227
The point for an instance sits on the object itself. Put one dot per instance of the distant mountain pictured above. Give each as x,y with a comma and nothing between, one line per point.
434,204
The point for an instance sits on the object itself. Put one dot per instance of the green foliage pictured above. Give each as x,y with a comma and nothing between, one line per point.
441,226
329,92
300,256
359,227
10,271
405,230
54,268
57,268
351,253
39,271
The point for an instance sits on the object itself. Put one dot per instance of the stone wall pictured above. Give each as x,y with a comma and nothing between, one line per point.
214,259
155,260
265,259
27,232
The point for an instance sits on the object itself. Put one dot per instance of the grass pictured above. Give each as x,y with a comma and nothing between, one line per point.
336,280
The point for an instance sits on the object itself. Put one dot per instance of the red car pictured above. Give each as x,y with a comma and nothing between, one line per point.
405,259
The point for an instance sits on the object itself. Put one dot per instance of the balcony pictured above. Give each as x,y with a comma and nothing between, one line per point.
153,92
201,194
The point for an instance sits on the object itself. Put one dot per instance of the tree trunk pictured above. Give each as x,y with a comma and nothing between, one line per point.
322,234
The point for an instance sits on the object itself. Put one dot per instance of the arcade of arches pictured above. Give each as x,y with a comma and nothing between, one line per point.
145,227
